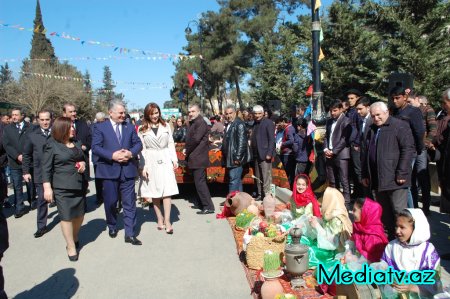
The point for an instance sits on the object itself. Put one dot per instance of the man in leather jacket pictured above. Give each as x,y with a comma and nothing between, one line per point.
235,148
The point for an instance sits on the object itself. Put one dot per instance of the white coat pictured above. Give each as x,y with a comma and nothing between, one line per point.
157,158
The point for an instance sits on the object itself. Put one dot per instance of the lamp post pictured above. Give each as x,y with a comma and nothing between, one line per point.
188,31
318,115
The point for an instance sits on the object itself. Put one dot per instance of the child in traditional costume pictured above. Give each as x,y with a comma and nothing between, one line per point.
412,251
303,200
368,232
335,227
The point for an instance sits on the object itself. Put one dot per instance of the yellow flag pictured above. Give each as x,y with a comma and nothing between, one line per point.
317,5
321,55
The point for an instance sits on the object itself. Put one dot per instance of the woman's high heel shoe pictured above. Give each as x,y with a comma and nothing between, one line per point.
169,231
72,258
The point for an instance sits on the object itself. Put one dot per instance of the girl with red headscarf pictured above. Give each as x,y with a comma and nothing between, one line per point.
302,196
368,232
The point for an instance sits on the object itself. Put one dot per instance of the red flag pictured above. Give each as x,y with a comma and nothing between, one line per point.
191,80
309,92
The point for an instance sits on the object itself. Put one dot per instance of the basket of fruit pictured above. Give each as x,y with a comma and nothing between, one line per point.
269,237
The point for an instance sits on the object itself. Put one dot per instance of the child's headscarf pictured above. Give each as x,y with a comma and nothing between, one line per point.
368,233
303,199
333,205
418,253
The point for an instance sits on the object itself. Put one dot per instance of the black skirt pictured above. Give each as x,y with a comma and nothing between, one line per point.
70,203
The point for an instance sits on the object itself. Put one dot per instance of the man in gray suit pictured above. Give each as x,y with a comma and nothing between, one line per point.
337,149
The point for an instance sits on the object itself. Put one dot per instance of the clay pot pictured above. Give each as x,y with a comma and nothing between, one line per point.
269,205
239,202
270,288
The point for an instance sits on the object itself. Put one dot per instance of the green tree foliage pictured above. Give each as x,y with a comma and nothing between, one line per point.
354,52
41,47
245,44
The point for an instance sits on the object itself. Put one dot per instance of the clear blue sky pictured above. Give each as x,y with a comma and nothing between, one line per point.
152,25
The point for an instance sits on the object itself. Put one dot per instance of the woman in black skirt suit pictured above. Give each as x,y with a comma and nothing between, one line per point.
62,174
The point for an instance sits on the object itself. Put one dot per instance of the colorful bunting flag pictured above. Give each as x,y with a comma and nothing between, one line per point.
317,5
321,55
309,92
115,48
191,80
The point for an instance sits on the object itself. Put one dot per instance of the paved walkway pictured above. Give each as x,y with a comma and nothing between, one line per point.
198,261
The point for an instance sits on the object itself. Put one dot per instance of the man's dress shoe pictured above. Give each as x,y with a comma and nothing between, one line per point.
133,241
113,233
40,232
204,212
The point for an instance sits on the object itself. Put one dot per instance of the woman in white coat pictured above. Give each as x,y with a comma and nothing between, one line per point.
158,163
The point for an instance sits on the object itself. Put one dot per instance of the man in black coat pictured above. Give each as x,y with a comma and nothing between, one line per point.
33,153
337,149
262,142
196,150
413,116
3,164
387,163
14,136
234,148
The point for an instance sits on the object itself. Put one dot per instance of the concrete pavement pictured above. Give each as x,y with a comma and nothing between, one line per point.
198,261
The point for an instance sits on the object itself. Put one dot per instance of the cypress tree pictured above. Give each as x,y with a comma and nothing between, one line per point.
41,47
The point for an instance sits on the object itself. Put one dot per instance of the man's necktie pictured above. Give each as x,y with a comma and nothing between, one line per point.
19,128
119,137
46,132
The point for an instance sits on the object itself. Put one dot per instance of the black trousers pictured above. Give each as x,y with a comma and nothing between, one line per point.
98,186
337,169
202,188
355,172
392,202
42,207
3,186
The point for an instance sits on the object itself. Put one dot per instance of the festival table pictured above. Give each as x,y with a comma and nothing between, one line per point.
216,173
254,278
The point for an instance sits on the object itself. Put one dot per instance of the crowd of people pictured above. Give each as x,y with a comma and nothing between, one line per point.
371,150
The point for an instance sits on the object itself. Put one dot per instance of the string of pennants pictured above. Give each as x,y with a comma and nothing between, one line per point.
88,58
116,48
80,79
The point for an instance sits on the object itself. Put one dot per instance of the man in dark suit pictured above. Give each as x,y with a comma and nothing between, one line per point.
82,134
3,164
337,149
262,144
117,146
363,127
14,136
33,153
99,118
196,151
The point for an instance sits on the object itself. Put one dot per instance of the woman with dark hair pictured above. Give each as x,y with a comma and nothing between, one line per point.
179,133
63,166
158,161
